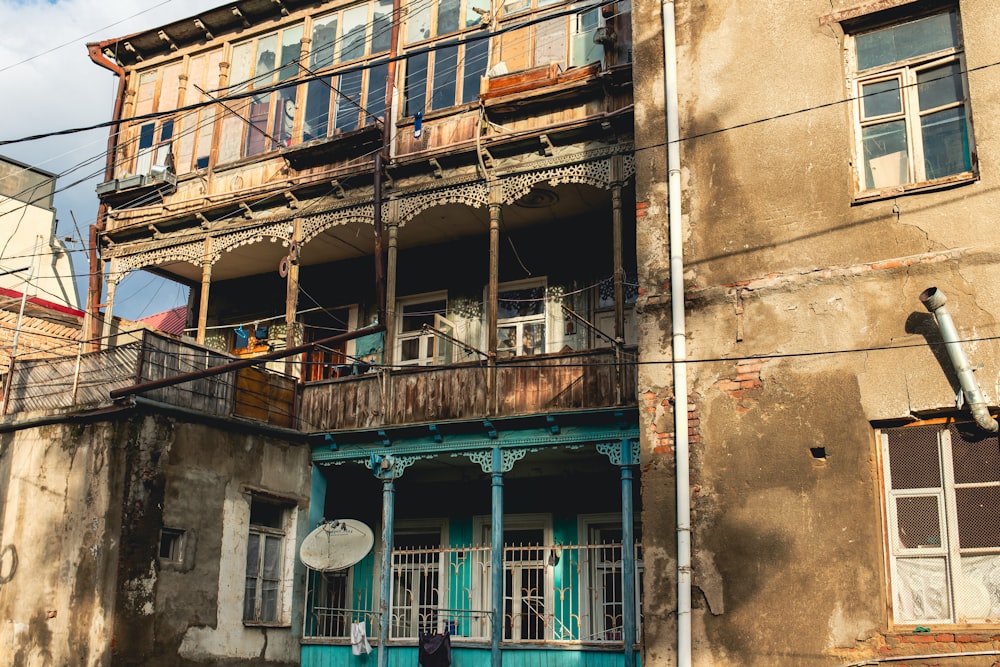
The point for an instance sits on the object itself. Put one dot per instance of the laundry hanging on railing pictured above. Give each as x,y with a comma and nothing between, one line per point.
435,650
359,639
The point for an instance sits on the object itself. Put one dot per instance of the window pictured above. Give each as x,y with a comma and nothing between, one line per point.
528,610
264,592
448,74
912,113
344,102
603,556
171,545
942,487
266,121
418,582
565,41
414,346
521,319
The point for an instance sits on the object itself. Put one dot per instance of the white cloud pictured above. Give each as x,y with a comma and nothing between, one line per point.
51,91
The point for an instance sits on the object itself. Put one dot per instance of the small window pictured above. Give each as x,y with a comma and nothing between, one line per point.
912,117
267,567
521,319
942,496
416,345
171,545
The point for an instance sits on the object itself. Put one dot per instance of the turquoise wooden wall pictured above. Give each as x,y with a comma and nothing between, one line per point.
406,656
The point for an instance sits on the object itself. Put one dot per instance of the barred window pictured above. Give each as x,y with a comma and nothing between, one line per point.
942,485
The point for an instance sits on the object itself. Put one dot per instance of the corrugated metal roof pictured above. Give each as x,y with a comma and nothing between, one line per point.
170,321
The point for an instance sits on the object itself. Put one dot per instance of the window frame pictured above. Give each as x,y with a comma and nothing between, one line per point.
284,535
520,322
587,524
482,529
906,71
429,347
416,621
948,548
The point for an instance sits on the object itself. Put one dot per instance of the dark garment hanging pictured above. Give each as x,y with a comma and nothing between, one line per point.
435,650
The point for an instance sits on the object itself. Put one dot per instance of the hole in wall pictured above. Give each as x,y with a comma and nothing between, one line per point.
818,453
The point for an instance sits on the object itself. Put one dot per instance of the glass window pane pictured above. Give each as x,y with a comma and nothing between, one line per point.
448,15
324,39
975,455
921,590
349,101
418,20
913,458
355,25
377,77
978,509
382,27
917,522
291,50
410,349
946,143
521,302
507,340
473,17
317,117
445,79
534,338
416,84
512,6
263,73
416,315
881,98
940,86
907,40
476,59
885,154
977,595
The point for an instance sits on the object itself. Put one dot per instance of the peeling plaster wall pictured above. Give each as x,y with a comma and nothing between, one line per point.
58,546
81,509
782,267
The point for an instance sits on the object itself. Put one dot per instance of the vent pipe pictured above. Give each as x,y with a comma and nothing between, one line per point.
934,300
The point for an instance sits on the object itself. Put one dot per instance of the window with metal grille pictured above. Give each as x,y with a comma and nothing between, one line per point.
942,487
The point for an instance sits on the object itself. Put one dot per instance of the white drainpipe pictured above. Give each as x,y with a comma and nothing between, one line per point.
934,300
681,455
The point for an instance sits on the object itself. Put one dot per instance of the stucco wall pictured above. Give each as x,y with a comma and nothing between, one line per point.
783,265
82,507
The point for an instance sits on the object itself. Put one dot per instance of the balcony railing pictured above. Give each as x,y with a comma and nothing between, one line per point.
85,380
525,385
559,593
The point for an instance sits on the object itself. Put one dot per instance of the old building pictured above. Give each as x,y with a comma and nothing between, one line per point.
832,169
421,216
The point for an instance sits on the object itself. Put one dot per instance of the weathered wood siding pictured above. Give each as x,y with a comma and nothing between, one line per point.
528,385
265,397
165,358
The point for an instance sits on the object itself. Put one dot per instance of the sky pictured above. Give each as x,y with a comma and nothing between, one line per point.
50,84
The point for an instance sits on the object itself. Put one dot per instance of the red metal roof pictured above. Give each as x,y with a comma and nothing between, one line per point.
170,321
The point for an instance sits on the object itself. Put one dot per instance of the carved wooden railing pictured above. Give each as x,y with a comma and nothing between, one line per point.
526,385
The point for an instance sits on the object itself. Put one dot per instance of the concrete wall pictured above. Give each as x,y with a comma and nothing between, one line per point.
794,292
82,507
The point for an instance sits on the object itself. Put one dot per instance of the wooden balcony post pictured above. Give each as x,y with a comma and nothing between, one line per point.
292,294
206,283
492,294
619,276
389,346
113,279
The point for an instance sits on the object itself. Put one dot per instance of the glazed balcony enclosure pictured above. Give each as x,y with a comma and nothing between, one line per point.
449,184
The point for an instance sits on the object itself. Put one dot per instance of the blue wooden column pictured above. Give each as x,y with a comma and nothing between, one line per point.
624,454
628,555
384,468
496,557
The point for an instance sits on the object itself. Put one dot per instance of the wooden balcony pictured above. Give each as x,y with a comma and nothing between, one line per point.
524,386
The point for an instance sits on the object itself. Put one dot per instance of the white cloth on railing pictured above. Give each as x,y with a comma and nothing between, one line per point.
359,639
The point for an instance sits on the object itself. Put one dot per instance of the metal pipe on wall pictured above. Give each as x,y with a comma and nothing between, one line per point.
934,300
679,343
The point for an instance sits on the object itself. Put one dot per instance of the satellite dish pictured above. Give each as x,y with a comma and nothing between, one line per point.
336,545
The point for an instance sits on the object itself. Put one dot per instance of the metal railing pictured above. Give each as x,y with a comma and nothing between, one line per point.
552,594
